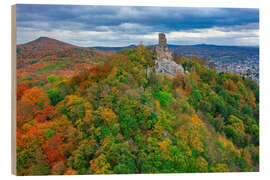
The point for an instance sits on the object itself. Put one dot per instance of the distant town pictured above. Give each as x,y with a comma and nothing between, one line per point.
241,60
248,68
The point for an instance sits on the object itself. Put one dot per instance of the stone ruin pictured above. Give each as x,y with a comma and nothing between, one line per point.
164,62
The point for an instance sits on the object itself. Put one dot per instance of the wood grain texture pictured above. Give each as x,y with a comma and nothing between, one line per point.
13,89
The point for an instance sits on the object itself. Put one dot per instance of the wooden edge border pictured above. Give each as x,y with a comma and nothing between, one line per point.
13,89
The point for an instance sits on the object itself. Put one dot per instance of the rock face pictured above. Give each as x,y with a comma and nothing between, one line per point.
164,62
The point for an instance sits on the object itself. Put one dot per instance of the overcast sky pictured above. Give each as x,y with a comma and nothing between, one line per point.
120,25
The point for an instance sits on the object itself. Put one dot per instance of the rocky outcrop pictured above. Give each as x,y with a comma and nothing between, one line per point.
164,62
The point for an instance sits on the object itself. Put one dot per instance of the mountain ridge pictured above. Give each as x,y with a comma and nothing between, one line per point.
44,38
208,51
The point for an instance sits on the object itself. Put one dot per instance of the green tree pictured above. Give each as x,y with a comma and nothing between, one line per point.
164,98
55,96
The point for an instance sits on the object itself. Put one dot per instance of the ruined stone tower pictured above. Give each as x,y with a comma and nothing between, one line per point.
162,41
164,62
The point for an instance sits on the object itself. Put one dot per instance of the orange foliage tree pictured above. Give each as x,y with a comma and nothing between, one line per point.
53,150
34,96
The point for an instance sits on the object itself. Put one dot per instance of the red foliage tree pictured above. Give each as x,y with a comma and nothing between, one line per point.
21,88
45,114
53,150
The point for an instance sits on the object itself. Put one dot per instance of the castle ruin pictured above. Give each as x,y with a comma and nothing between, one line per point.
164,62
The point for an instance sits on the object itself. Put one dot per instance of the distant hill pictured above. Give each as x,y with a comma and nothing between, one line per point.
45,43
44,56
44,46
207,51
217,52
114,48
41,47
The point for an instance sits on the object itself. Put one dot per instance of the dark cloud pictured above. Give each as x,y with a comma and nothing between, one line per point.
133,20
169,18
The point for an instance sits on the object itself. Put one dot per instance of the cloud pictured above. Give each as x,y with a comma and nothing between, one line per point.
119,25
218,36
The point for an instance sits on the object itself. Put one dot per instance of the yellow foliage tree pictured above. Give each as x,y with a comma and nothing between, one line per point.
71,172
100,165
108,115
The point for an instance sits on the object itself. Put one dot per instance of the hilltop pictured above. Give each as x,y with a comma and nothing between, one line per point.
45,43
44,46
43,56
41,47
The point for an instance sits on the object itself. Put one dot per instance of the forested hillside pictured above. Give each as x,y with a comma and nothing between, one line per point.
114,117
44,56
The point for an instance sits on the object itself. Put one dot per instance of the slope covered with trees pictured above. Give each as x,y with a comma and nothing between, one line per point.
117,118
44,56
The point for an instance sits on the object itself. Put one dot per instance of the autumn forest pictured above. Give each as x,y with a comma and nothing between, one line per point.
88,111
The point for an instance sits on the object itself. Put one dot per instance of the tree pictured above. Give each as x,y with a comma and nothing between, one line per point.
247,110
107,115
55,96
99,165
44,114
128,121
235,129
164,98
195,98
34,96
59,168
71,172
53,150
82,155
40,165
219,123
220,168
201,165
52,78
21,88
230,85
73,107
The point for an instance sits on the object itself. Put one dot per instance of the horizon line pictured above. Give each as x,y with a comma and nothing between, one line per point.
138,44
